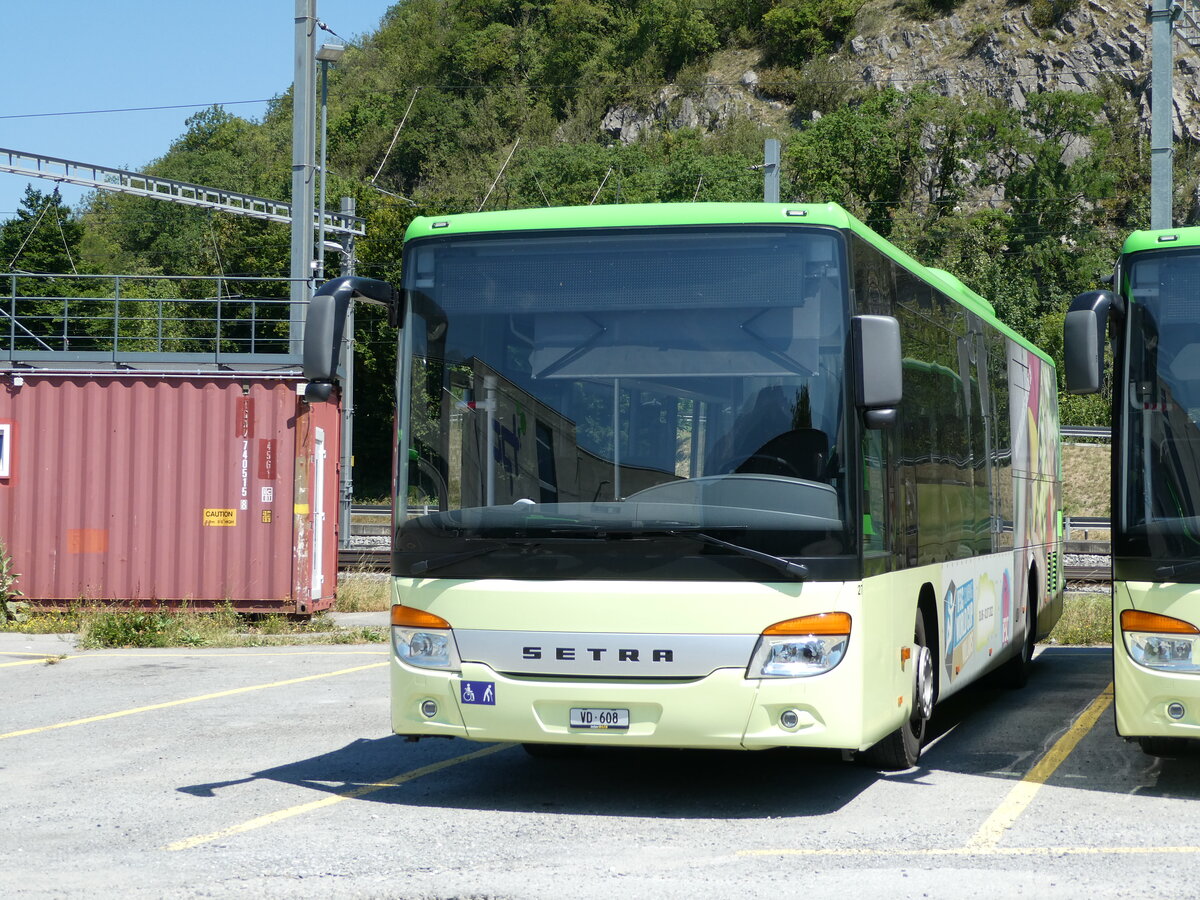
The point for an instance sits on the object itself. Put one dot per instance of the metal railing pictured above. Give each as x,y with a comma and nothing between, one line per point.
52,320
37,165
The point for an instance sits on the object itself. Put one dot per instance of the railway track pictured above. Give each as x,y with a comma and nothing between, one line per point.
364,559
1087,574
367,559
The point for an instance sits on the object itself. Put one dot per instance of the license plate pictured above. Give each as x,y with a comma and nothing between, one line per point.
590,717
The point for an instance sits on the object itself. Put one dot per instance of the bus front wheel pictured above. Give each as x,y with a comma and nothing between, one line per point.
1168,748
902,748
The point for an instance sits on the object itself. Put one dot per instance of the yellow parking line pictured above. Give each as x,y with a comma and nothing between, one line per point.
360,791
986,841
1026,789
62,657
170,703
32,662
143,653
977,851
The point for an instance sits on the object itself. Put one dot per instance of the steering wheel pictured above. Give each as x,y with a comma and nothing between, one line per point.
778,463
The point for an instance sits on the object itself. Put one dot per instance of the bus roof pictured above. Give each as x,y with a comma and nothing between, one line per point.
632,215
1162,239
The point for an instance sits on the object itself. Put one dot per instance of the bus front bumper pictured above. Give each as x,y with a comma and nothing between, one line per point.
724,710
1152,702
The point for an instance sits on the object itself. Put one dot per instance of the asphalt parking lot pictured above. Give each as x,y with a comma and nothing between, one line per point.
272,772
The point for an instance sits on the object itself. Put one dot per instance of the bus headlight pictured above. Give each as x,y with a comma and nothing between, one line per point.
422,639
1160,642
799,648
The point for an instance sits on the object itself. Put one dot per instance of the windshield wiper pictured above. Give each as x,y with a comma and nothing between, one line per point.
439,562
778,563
565,535
786,566
1182,568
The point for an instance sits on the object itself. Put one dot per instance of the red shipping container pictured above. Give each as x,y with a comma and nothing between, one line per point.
152,488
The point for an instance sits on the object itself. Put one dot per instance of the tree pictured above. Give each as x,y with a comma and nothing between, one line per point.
864,156
44,236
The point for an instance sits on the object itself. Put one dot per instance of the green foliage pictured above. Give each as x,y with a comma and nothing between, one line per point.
1086,621
823,85
1027,205
181,626
795,30
11,609
133,628
679,31
45,237
1048,13
863,156
929,9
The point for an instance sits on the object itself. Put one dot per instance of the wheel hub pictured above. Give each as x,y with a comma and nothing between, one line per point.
923,705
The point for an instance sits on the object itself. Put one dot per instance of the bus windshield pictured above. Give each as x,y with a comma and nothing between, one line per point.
1159,507
605,402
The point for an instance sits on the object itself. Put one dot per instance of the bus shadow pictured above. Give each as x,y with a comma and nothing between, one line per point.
628,782
1008,731
985,731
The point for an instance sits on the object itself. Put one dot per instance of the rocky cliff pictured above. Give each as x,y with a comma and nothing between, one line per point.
983,46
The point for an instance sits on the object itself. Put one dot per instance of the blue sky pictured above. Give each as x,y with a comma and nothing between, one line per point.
72,55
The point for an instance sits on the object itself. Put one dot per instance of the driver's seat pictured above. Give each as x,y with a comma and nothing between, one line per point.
799,453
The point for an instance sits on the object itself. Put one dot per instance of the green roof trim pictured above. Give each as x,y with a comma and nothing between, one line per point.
953,283
649,215
629,215
1162,239
945,282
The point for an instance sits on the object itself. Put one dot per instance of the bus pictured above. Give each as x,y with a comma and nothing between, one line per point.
1150,316
704,476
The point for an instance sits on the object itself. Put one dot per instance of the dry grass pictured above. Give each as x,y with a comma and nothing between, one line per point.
363,592
123,626
1086,621
1086,479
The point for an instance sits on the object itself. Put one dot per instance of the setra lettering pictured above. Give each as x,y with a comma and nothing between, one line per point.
597,654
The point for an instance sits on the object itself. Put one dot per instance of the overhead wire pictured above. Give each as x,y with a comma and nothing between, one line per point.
66,246
129,109
484,201
863,79
51,198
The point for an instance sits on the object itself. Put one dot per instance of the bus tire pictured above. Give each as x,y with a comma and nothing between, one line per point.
902,748
1014,674
1168,748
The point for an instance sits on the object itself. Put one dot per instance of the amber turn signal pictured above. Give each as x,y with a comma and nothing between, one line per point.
822,623
1136,620
407,617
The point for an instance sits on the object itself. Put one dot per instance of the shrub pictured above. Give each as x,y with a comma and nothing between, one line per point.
1047,13
11,609
798,29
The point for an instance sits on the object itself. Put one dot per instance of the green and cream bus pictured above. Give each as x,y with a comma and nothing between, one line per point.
704,476
1152,313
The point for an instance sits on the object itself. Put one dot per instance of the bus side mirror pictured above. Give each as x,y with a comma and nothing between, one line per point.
1083,341
325,323
875,355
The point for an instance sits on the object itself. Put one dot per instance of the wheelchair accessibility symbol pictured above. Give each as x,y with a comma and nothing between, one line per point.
480,693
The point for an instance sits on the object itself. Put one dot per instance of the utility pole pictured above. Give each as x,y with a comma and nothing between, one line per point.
304,128
1162,156
347,480
771,171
